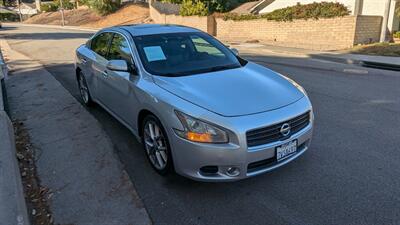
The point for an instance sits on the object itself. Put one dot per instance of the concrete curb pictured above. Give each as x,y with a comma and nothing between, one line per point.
364,63
54,26
337,59
13,207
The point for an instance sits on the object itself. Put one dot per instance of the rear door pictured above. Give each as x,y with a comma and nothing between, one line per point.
100,45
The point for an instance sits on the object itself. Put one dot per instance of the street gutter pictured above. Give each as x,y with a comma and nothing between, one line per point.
54,27
359,62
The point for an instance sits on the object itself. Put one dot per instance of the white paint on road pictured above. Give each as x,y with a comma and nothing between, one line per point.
355,71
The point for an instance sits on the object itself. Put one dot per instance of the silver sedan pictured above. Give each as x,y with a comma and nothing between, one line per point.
198,108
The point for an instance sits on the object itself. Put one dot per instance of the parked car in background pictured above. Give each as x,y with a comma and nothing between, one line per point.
198,108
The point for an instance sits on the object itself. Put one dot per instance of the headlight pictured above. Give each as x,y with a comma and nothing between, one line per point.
200,131
296,85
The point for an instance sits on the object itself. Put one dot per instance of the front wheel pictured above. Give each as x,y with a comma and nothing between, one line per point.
156,145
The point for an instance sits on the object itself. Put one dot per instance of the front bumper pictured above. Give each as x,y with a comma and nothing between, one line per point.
190,157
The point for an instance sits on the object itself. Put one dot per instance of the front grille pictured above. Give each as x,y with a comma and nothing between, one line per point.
272,133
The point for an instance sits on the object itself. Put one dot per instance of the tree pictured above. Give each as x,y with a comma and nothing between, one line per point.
102,7
9,2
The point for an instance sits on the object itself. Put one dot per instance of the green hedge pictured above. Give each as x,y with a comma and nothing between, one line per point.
299,11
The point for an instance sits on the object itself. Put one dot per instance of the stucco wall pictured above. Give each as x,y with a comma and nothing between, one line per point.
368,29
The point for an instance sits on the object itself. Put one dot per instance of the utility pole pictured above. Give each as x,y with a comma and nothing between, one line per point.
19,10
38,5
385,21
62,13
358,7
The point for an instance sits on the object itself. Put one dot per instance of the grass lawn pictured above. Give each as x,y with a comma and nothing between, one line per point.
381,49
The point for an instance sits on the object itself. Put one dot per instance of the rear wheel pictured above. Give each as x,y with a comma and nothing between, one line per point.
84,90
156,145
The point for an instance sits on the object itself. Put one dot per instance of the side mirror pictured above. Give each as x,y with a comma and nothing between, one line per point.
235,51
118,65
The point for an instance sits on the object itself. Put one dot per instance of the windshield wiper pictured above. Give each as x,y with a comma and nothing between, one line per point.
219,68
208,70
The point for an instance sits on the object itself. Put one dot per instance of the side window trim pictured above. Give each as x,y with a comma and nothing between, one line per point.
126,39
108,43
133,61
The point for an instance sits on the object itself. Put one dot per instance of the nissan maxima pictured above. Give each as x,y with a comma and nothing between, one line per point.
198,108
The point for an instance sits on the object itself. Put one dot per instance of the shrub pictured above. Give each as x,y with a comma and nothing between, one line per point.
9,16
308,11
66,4
193,8
103,7
49,7
397,34
214,5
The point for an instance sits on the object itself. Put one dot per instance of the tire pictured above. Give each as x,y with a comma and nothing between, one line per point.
84,90
156,145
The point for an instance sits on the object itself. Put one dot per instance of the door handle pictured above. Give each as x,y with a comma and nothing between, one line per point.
105,74
84,61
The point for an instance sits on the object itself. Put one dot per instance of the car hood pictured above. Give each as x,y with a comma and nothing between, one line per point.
247,90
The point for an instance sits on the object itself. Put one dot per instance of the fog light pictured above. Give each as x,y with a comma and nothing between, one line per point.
233,171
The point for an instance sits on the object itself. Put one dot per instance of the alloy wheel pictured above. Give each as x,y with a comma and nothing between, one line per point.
155,145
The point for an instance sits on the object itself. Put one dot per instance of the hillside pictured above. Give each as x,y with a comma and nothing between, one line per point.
128,14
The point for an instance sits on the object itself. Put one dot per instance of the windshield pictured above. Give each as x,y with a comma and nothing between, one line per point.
179,54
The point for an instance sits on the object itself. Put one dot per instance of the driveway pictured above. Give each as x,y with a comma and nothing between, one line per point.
350,175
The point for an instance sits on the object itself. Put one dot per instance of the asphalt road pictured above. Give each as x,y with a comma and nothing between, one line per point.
350,175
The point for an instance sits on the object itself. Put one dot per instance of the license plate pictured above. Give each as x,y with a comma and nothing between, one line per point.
286,150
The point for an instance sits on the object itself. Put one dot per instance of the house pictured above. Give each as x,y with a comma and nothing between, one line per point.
357,7
25,9
253,7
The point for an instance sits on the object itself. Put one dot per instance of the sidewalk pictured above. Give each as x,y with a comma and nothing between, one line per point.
383,62
75,159
12,202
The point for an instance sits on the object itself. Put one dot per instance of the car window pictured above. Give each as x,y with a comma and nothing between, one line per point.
187,53
202,45
119,49
99,44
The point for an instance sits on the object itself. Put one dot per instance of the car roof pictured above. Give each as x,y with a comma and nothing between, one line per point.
148,29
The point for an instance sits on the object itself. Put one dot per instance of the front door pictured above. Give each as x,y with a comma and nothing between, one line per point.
120,86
